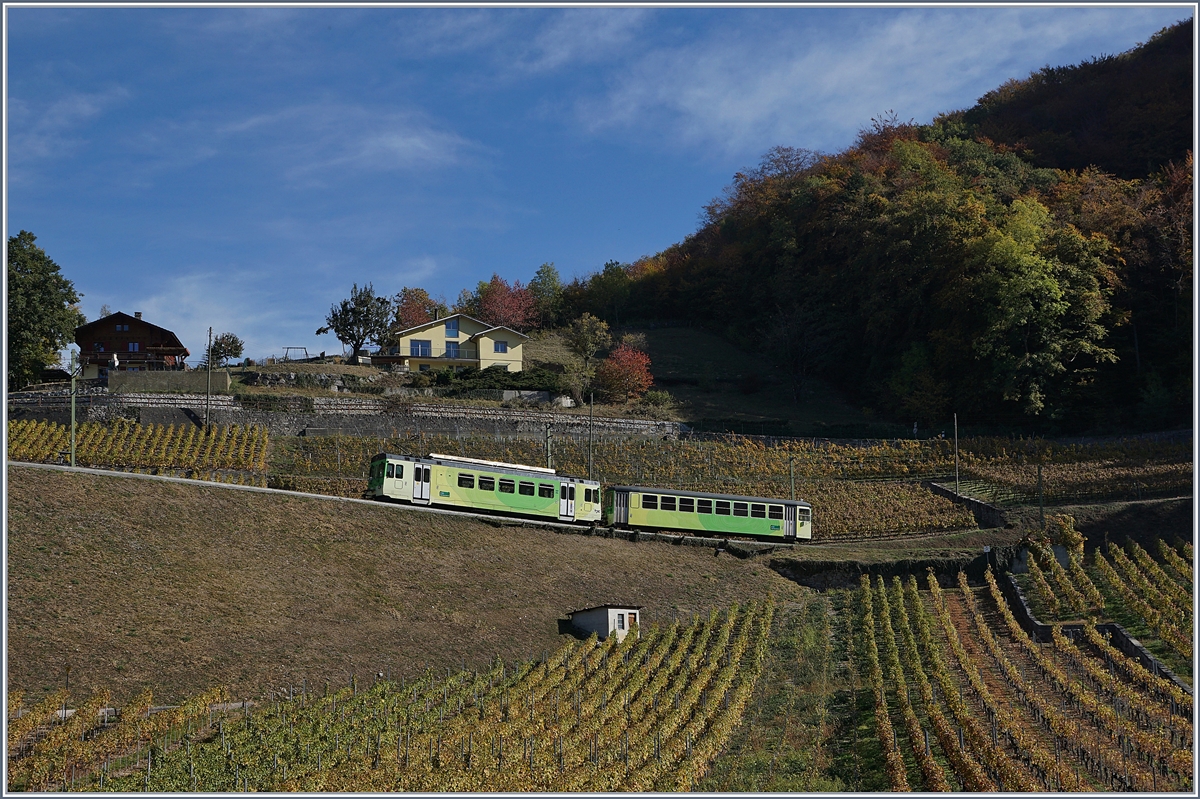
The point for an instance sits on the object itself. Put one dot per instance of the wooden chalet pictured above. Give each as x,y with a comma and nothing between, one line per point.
136,344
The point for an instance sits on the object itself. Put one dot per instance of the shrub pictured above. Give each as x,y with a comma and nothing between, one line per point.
624,374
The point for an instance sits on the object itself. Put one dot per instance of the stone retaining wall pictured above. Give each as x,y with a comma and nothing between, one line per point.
986,515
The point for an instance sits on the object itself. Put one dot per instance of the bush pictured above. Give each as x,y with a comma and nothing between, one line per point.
658,399
624,374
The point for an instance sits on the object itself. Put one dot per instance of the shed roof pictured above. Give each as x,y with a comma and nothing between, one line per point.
608,605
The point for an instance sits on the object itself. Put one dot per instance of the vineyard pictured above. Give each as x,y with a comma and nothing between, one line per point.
964,700
648,713
185,449
862,490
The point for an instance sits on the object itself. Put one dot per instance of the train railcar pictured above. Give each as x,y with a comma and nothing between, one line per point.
707,514
450,481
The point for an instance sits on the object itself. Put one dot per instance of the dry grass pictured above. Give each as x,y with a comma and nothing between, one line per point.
137,584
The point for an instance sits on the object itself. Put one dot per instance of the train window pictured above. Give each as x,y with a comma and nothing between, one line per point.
740,509
466,480
704,506
526,489
722,507
545,491
399,471
487,483
775,511
758,511
571,493
687,505
649,502
667,503
391,470
507,486
805,514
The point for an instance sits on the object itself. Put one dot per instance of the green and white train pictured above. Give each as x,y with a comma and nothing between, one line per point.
707,514
451,481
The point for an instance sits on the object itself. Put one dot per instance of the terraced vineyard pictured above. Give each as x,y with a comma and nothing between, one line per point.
966,701
640,714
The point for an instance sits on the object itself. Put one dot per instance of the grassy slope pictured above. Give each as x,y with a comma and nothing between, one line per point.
139,584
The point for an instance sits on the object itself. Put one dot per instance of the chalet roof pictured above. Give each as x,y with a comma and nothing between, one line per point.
611,605
443,319
494,329
439,321
170,339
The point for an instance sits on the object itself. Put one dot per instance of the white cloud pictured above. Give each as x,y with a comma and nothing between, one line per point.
582,36
40,129
308,141
772,80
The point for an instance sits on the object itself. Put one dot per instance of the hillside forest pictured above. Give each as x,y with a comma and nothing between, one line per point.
1026,262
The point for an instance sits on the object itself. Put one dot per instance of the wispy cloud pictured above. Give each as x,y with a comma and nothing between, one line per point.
770,80
55,129
309,140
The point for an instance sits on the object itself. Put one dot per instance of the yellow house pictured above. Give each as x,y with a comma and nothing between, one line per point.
459,341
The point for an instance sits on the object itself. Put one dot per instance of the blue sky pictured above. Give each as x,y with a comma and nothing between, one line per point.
241,168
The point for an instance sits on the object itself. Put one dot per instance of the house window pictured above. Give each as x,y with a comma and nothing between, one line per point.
391,470
423,367
451,348
668,503
466,481
501,346
740,509
507,486
487,483
775,511
526,489
451,328
133,346
420,348
545,491
758,511
620,621
98,346
722,507
687,505
122,328
704,506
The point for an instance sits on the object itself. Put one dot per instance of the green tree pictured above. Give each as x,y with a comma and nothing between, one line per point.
608,290
43,310
361,318
586,336
225,346
547,290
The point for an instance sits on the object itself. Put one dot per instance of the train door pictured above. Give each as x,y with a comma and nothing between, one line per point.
566,501
620,508
421,474
789,521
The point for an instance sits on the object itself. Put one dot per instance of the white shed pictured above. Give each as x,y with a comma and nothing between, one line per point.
608,619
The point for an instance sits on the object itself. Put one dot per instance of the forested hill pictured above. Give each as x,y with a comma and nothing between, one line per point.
1128,114
930,270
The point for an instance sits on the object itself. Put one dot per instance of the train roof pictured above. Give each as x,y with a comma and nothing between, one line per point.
737,497
476,463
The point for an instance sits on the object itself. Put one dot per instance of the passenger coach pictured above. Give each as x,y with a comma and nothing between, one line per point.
710,514
491,486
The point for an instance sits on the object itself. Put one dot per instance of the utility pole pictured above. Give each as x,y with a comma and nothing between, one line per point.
591,416
1041,503
208,398
74,371
549,451
956,491
792,473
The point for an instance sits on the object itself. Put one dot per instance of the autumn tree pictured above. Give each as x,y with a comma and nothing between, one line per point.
43,310
414,306
498,302
624,374
361,318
